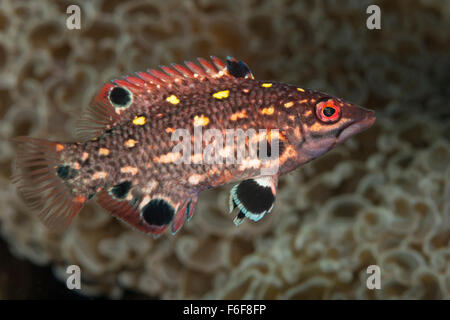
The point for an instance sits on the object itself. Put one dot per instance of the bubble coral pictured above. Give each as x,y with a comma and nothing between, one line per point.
382,198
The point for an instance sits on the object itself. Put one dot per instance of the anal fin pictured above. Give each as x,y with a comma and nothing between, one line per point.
184,213
149,213
253,198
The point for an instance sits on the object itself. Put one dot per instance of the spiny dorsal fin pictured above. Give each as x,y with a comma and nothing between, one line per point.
115,99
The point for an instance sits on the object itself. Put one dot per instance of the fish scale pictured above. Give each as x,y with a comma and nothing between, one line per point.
130,161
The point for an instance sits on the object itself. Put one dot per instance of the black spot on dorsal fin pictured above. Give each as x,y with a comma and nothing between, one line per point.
120,97
116,100
238,69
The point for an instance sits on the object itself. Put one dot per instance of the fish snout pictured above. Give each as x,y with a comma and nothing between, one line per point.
363,119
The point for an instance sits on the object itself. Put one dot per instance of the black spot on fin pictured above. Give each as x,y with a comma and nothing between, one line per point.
40,178
238,69
63,171
120,97
253,197
158,212
120,191
150,213
66,172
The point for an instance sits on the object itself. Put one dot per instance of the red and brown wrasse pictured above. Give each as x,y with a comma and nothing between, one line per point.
128,159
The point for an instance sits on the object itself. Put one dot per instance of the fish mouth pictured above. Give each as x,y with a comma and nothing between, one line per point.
356,127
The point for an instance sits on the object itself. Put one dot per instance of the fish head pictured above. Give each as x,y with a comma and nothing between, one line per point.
327,121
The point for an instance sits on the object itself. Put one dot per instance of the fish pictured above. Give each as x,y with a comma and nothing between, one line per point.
149,143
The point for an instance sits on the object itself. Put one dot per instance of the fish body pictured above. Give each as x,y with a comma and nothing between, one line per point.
152,142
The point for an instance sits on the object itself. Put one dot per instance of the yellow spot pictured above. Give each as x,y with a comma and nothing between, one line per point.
316,127
139,121
221,94
304,101
130,143
238,115
94,139
173,99
266,85
99,175
300,89
308,113
200,121
59,147
84,156
170,130
288,104
269,111
103,151
129,169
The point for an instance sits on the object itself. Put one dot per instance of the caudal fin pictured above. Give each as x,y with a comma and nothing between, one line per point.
38,174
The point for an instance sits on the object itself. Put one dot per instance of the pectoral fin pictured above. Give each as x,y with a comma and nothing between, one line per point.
253,198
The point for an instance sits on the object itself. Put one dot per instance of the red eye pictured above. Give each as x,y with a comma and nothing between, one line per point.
328,111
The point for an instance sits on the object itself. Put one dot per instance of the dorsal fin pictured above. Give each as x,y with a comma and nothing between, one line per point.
104,110
238,69
121,95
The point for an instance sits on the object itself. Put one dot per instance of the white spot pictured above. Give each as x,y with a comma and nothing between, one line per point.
250,163
264,181
195,179
226,151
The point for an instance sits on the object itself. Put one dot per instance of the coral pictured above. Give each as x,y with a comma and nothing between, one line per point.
382,198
